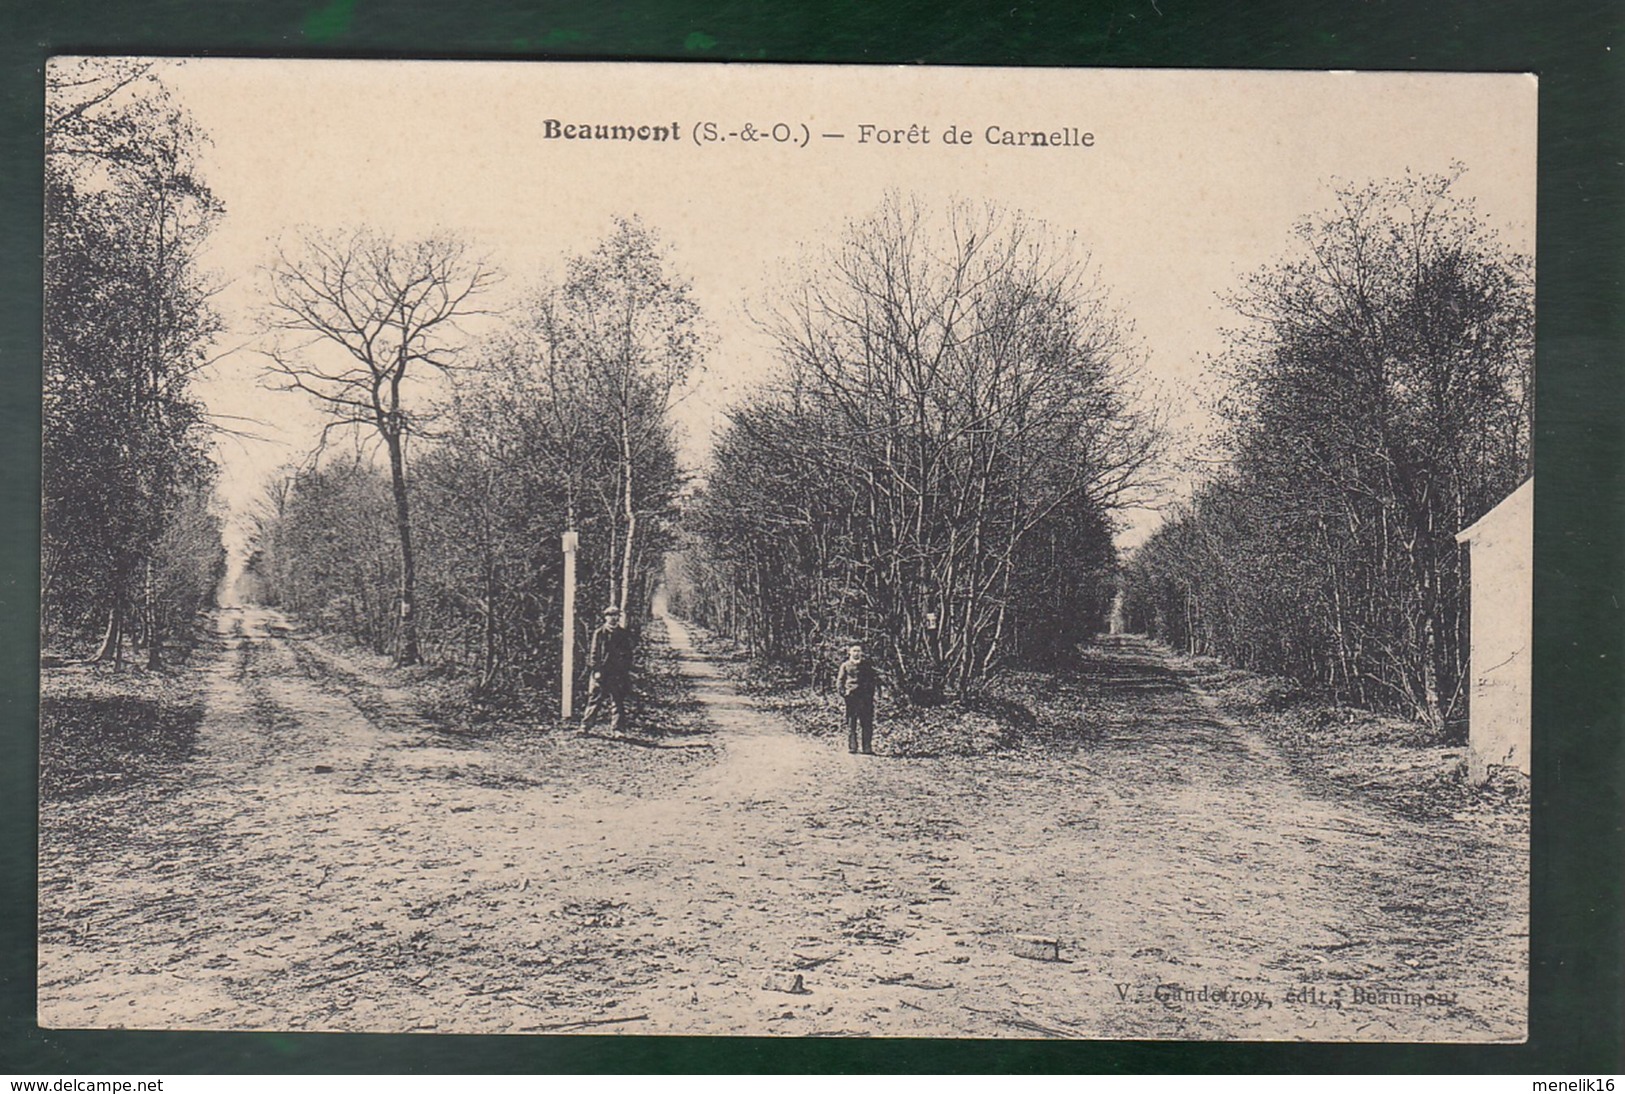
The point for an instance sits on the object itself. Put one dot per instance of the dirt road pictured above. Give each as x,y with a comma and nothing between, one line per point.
327,859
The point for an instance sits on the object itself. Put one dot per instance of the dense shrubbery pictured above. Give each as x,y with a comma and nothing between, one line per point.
1381,404
933,471
130,546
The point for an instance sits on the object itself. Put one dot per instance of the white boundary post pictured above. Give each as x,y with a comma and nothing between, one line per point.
567,663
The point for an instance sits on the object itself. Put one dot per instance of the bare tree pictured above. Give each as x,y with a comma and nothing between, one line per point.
358,322
951,431
632,331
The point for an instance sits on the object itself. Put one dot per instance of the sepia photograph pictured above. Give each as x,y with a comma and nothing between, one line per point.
795,551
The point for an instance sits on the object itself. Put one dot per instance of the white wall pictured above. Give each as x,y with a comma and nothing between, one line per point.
1502,561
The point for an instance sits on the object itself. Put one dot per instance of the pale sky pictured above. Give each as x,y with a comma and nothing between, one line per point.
1194,180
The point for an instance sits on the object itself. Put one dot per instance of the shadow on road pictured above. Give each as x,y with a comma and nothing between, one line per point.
98,742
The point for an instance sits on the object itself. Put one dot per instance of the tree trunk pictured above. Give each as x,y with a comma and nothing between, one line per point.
488,652
112,645
631,515
155,642
408,644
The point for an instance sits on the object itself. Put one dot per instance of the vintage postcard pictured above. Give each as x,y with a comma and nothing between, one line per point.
805,551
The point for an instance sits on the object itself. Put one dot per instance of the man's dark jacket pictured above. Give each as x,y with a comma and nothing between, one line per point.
611,654
857,679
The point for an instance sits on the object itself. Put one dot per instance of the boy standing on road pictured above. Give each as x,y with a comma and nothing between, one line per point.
857,683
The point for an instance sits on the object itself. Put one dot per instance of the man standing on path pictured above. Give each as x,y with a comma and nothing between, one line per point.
610,662
857,683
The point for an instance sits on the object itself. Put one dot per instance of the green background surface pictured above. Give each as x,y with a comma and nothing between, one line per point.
1578,868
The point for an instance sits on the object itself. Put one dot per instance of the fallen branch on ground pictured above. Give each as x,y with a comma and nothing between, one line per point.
585,1022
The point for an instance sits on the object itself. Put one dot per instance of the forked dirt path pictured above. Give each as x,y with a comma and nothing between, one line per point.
329,860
